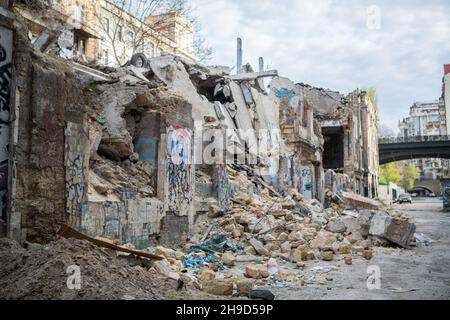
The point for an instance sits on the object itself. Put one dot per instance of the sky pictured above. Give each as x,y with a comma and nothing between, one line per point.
397,47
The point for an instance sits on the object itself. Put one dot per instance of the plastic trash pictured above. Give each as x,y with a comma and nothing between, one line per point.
420,237
217,243
280,284
272,267
198,262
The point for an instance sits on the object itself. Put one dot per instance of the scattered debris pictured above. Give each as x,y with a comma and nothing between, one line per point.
324,268
217,243
423,239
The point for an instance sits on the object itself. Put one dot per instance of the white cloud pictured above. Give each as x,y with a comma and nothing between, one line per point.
327,43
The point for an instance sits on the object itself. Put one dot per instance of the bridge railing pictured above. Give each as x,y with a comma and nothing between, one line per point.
388,140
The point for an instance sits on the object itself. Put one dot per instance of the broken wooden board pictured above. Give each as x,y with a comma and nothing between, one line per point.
70,233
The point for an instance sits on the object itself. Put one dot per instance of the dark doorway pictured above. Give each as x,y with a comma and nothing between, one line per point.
333,149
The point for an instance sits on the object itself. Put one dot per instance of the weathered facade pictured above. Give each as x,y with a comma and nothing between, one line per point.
350,129
370,132
303,136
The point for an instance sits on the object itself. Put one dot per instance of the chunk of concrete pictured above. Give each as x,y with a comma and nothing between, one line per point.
353,201
395,230
219,287
256,271
259,247
229,259
336,226
245,286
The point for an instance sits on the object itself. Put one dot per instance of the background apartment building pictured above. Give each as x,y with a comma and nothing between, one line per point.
122,35
99,32
427,119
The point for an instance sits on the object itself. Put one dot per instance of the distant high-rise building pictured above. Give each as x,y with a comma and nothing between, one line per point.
427,119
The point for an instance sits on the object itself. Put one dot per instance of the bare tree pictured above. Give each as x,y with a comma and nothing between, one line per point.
138,31
385,131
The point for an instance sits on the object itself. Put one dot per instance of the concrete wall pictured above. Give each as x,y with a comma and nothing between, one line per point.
337,182
135,221
6,111
296,122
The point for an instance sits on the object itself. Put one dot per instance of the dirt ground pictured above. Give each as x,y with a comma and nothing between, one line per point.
40,272
420,273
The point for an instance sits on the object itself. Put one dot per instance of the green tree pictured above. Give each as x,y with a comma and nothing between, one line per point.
372,94
390,173
409,174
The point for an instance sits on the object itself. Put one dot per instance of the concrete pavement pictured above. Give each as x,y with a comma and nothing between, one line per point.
420,273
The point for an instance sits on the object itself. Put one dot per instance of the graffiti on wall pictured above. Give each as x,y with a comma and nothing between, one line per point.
179,170
5,105
76,151
132,221
305,182
284,93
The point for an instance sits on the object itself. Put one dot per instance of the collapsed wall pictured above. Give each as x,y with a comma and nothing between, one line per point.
122,158
140,154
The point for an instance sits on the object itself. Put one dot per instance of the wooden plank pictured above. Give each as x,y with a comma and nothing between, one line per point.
207,233
68,232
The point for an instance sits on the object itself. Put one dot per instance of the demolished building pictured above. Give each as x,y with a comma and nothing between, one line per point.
350,130
139,153
213,166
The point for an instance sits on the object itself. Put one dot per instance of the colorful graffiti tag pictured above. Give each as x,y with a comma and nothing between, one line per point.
179,145
284,93
179,170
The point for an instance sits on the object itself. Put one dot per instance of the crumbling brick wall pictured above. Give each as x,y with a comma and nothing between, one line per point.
49,96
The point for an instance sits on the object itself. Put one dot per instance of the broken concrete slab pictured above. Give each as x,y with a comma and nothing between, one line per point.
393,229
353,201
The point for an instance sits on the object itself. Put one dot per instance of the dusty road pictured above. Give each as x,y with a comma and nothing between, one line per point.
420,273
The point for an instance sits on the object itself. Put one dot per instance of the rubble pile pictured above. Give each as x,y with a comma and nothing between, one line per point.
265,239
133,167
42,271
